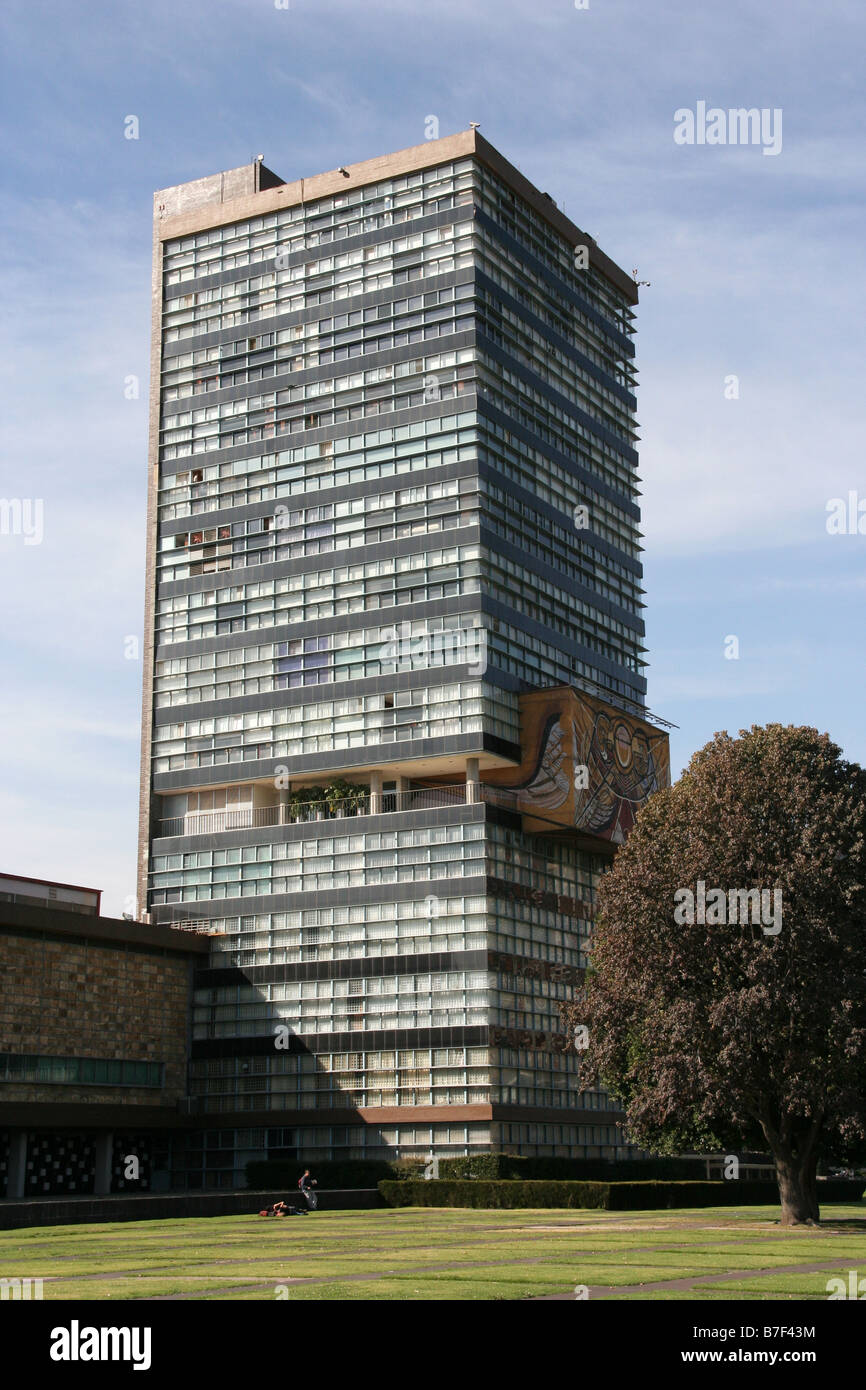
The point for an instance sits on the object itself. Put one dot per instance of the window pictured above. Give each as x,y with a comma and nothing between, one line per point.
80,1071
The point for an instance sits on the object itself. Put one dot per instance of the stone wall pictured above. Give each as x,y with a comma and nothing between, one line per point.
66,998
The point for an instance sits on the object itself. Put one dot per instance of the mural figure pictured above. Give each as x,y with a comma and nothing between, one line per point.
621,759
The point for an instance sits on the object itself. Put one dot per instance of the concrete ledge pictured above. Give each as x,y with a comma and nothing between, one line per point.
68,1211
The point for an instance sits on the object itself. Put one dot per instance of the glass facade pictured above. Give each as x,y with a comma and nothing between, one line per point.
380,413
80,1071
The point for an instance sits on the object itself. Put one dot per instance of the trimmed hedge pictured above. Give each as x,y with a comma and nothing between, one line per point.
606,1196
508,1192
283,1173
493,1166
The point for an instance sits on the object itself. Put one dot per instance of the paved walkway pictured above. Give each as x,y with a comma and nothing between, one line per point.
599,1291
694,1281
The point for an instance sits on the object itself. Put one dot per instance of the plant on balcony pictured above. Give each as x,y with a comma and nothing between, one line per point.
302,799
345,798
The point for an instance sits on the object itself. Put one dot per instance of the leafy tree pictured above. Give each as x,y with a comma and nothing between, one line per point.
723,1034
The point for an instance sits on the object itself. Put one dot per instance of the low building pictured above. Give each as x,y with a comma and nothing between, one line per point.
94,1036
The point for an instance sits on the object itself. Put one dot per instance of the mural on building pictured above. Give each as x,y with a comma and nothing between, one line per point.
586,765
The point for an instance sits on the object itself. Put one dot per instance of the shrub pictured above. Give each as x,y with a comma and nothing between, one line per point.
486,1165
493,1166
482,1192
607,1196
280,1173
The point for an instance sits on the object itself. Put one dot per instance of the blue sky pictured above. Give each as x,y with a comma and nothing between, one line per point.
755,266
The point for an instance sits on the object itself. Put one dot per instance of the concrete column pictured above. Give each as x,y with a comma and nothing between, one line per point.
284,794
376,793
102,1164
473,781
17,1169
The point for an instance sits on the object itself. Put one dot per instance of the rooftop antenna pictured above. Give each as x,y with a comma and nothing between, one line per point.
474,125
637,281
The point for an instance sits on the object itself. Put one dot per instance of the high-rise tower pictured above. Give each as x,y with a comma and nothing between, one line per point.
394,715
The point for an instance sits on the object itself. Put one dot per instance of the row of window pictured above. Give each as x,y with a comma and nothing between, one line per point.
536,412
441,933
515,329
323,846
327,1072
293,533
315,341
287,1094
410,927
251,420
233,245
316,924
296,419
508,990
534,468
269,285
328,862
194,305
269,300
353,943
574,380
555,608
379,987
257,365
591,566
385,453
300,866
419,1061
566,492
554,865
377,388
521,221
315,593
296,731
343,656
558,608
423,1012
382,204
598,337
325,1142
79,1071
337,656
391,583
309,223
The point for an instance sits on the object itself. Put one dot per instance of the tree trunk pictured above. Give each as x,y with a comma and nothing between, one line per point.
797,1187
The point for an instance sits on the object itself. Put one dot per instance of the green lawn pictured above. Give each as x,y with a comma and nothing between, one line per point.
418,1254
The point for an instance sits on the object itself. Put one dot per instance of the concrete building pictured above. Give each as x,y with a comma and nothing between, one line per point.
394,721
94,1036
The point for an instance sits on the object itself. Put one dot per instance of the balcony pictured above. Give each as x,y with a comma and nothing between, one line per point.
299,813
